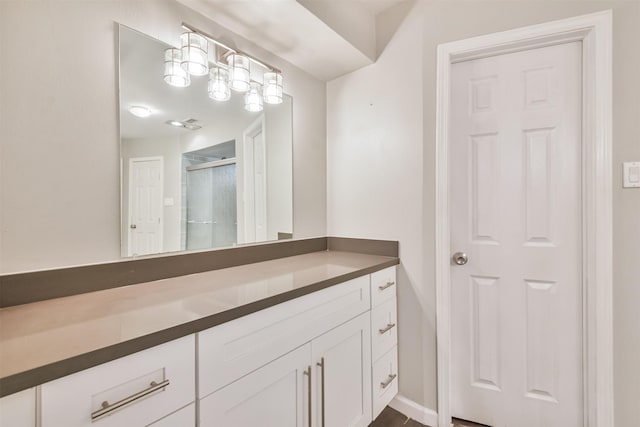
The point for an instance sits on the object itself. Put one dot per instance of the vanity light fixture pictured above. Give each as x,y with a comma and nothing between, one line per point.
230,69
239,75
218,87
253,98
174,74
195,50
139,111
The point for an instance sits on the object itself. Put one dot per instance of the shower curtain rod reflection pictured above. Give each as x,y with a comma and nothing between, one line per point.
214,164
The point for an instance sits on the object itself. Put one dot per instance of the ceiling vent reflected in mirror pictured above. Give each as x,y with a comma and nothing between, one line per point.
190,124
200,54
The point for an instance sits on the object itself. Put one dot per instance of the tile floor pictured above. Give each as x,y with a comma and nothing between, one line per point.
392,418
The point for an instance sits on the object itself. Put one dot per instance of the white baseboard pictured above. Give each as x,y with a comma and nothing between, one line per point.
415,411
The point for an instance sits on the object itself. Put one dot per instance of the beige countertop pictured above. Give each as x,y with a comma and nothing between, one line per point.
48,339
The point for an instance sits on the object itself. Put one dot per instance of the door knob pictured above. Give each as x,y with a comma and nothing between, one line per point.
133,226
460,258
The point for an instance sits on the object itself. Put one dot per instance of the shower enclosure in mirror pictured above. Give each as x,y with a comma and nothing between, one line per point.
197,173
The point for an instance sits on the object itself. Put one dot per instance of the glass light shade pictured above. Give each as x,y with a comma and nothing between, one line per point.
139,111
253,98
272,88
219,84
239,76
195,56
174,74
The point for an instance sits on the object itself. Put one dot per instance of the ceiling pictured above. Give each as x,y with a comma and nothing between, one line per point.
326,38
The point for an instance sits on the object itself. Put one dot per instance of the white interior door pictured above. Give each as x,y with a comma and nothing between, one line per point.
145,205
255,183
516,212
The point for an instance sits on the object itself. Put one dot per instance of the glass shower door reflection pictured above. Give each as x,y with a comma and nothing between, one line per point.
211,207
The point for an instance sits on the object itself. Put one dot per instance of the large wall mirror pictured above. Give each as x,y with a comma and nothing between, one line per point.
197,173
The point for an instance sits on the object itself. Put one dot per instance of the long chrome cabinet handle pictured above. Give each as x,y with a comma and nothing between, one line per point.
307,372
387,328
386,285
321,364
107,407
389,380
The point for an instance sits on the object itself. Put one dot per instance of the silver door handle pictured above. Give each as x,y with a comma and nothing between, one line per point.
133,226
386,285
389,380
460,258
387,328
307,372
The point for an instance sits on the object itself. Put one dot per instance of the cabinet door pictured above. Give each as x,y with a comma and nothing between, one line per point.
276,395
19,409
185,417
342,362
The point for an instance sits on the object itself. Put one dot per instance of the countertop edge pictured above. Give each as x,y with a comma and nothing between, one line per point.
21,381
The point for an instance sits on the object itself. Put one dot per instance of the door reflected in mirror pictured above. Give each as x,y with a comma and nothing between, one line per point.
197,173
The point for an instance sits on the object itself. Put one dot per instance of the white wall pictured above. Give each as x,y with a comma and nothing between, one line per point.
382,198
279,183
59,165
374,152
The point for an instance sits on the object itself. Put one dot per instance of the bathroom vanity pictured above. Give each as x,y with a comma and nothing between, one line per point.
303,340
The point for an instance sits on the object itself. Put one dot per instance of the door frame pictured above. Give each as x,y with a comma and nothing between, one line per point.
255,128
595,32
129,199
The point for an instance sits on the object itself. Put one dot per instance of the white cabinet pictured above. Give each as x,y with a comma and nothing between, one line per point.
185,417
327,379
342,359
276,395
326,359
18,409
135,390
384,339
236,348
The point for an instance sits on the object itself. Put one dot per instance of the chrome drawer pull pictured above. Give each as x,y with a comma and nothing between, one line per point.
387,328
107,407
389,380
385,286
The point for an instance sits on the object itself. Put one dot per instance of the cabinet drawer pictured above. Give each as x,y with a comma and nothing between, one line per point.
383,285
231,350
384,329
126,385
385,381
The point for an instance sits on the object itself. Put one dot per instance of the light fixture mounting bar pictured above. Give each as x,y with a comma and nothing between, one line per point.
209,37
